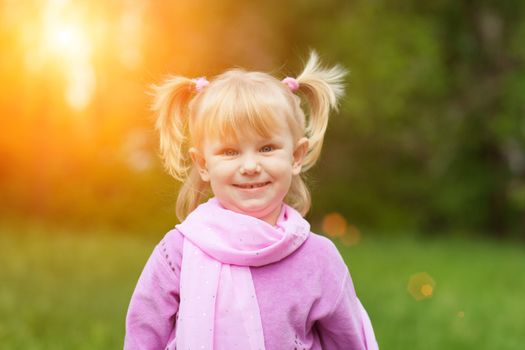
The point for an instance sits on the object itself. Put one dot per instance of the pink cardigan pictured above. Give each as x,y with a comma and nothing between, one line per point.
306,301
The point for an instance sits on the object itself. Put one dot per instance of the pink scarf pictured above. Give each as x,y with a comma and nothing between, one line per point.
218,305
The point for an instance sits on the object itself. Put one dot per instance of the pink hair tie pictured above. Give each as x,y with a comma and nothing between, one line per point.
200,83
292,83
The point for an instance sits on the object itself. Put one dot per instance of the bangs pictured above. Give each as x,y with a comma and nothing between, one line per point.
241,107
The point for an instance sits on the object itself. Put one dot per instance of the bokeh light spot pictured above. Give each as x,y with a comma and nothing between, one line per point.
334,225
421,286
352,236
426,290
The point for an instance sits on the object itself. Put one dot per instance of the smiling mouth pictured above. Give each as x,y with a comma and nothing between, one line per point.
255,185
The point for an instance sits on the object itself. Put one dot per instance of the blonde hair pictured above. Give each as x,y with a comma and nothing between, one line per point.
235,103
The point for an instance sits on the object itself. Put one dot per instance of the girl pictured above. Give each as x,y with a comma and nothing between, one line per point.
242,270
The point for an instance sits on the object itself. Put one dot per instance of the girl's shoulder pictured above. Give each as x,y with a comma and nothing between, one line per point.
318,259
322,253
170,249
173,239
322,247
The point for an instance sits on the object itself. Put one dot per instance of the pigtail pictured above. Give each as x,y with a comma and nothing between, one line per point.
192,193
321,87
171,108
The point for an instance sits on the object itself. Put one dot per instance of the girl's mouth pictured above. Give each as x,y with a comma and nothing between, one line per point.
252,185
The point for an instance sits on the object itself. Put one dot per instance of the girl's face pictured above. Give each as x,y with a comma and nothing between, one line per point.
253,174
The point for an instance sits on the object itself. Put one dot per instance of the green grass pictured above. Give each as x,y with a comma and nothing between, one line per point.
64,291
478,300
61,291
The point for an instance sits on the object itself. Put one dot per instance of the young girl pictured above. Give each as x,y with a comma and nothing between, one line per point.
242,270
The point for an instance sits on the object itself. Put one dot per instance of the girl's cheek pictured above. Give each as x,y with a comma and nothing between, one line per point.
279,162
225,169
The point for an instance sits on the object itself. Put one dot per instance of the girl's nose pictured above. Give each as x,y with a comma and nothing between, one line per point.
250,166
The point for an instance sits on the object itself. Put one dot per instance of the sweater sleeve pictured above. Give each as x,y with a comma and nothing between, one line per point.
347,326
151,316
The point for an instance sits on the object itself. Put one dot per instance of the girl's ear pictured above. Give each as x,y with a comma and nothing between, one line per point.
301,148
200,162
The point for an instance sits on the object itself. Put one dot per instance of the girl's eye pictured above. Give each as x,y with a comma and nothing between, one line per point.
229,152
267,148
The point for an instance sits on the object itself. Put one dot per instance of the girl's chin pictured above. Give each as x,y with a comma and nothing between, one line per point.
257,210
268,214
254,211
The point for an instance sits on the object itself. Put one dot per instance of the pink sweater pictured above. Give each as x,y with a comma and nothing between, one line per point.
306,301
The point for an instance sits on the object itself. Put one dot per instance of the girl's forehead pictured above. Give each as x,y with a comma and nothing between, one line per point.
235,126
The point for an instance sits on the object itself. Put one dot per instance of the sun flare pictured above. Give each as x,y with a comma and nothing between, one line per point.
63,41
68,43
66,40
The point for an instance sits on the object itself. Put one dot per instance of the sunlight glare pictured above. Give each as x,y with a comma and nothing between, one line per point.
64,42
130,38
64,37
81,83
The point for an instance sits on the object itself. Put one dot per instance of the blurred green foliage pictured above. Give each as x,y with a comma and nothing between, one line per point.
430,136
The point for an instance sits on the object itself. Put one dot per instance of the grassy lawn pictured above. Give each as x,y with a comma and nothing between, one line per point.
65,291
